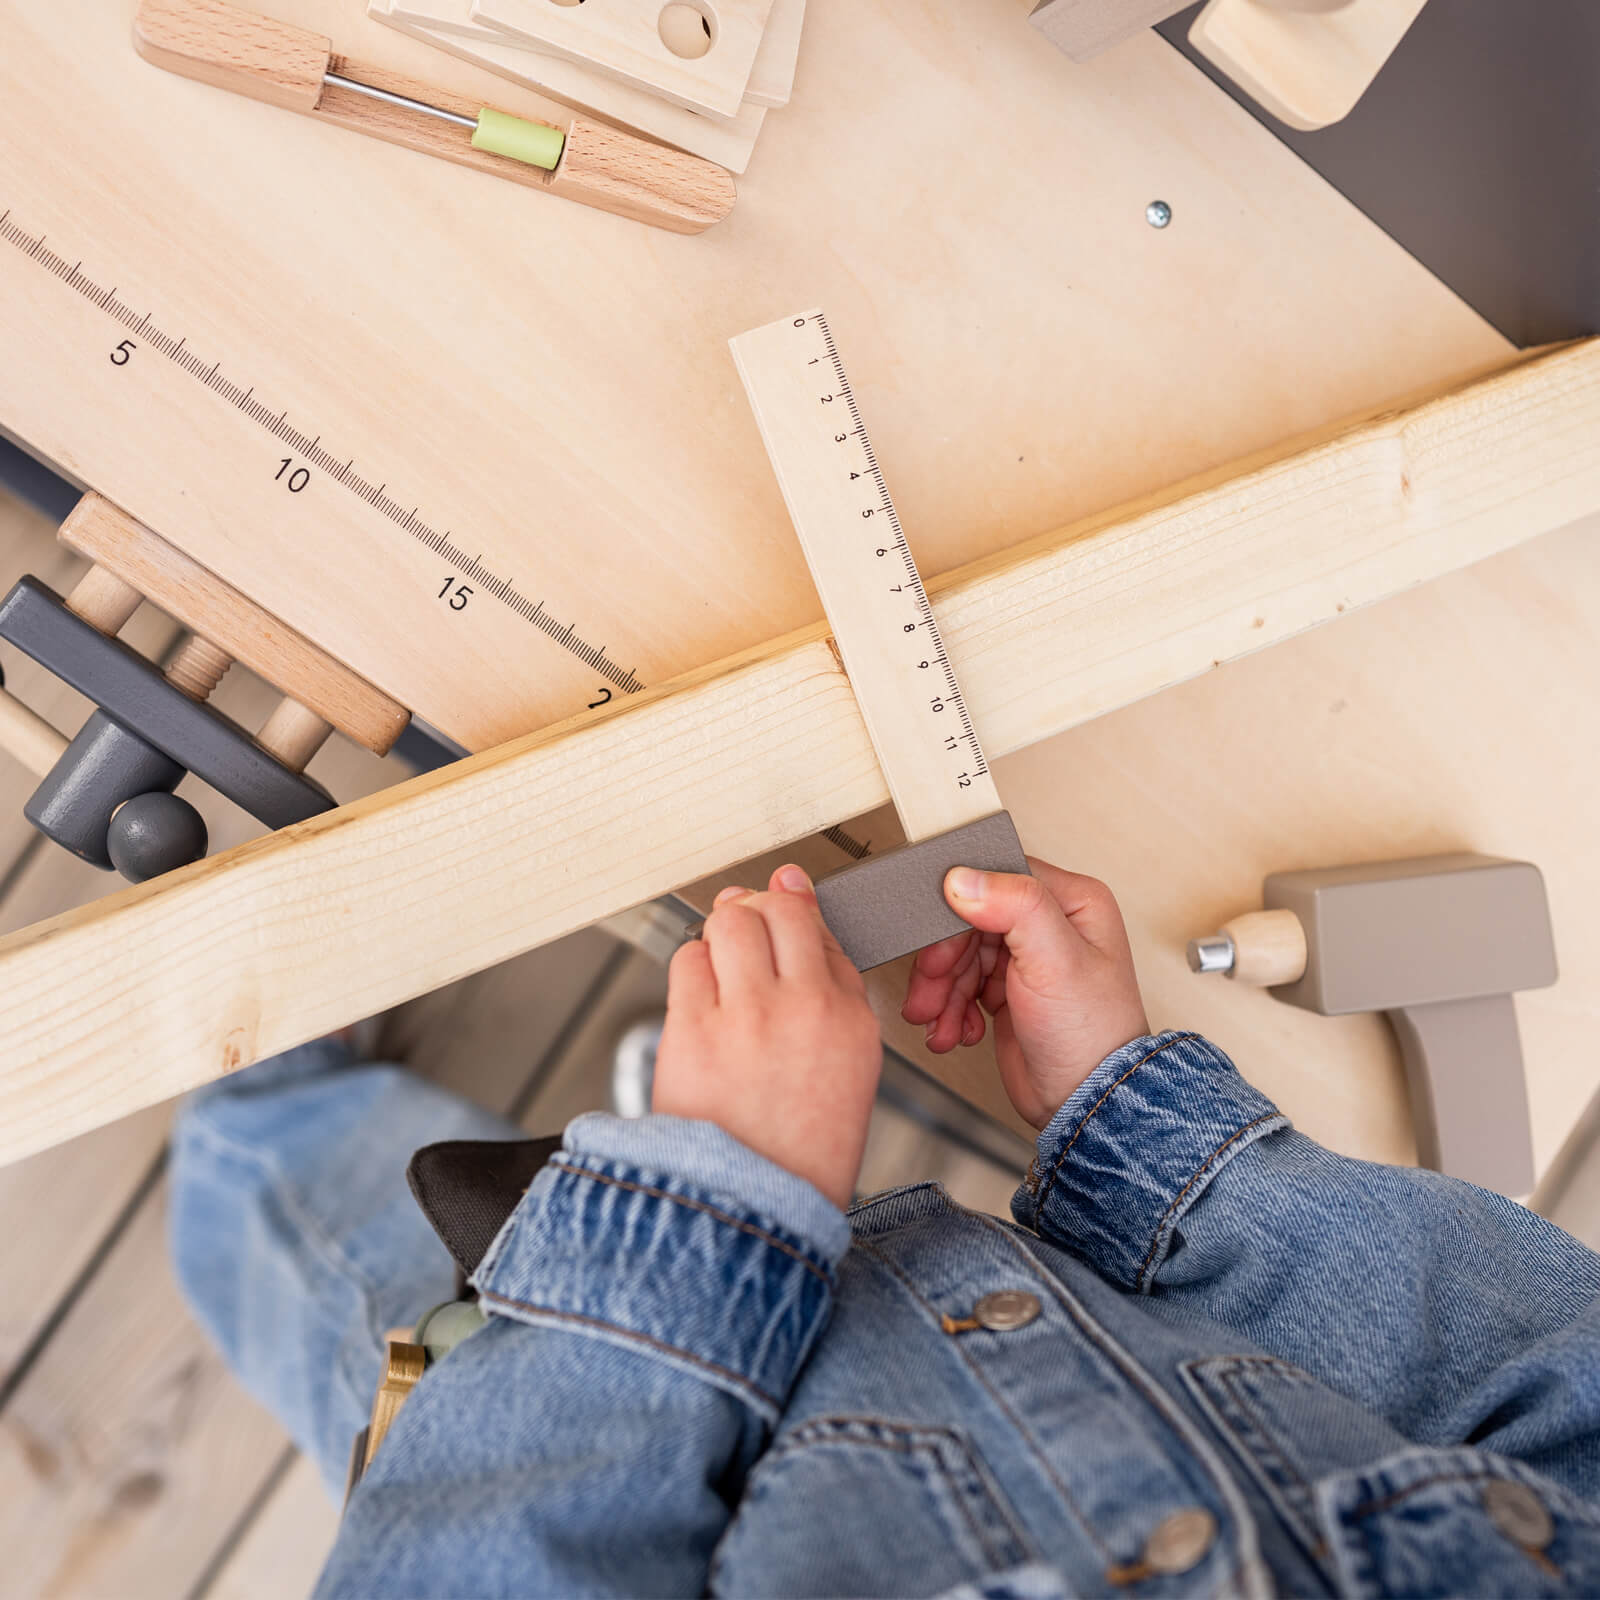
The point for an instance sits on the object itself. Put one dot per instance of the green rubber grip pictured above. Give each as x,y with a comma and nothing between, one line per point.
533,142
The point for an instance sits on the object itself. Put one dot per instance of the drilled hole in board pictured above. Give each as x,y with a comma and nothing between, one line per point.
685,30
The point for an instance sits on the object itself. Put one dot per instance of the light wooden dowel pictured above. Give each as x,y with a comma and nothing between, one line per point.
198,667
171,983
102,598
293,734
25,735
122,545
1269,948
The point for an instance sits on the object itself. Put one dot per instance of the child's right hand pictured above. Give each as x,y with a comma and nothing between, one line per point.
1050,964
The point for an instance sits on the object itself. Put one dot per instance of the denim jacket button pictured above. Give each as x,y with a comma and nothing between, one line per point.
1518,1513
1006,1309
1178,1541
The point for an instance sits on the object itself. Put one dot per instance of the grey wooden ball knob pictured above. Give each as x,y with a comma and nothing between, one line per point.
153,833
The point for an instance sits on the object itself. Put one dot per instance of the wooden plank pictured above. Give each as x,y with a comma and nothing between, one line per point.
281,1555
628,39
127,1451
218,612
643,514
727,142
771,80
1310,66
239,957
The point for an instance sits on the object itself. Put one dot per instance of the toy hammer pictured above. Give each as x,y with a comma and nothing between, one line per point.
1440,944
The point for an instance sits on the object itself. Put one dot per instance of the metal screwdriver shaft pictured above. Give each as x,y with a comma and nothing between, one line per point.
536,144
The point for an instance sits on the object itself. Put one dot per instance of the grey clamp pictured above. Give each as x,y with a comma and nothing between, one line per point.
109,798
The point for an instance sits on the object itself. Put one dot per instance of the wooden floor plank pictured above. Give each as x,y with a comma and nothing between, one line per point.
77,1195
282,1551
128,1450
128,1392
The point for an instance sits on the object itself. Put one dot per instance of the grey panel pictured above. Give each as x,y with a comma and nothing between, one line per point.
1477,147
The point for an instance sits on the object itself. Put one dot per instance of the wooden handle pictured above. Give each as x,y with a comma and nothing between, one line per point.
1269,948
293,734
1307,65
216,43
28,737
604,167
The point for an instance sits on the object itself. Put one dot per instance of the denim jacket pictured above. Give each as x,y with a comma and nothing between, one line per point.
1221,1360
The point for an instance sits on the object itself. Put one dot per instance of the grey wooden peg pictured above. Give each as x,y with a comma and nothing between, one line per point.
1437,943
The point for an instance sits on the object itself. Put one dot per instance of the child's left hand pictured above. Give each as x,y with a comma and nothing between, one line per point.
769,1035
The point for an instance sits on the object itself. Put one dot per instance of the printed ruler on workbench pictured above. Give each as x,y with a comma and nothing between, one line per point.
864,571
134,336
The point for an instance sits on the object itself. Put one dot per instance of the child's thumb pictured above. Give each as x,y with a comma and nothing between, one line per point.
1016,905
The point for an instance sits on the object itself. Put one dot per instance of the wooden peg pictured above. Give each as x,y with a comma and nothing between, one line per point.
25,735
293,733
104,599
1261,948
198,667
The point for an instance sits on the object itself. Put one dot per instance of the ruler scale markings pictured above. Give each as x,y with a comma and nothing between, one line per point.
933,761
243,401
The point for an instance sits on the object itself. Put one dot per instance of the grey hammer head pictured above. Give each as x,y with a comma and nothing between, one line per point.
1387,934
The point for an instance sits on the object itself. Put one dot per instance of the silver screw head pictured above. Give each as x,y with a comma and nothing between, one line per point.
1158,213
1214,953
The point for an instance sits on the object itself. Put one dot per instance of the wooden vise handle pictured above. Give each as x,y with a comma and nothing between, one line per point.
601,166
1308,64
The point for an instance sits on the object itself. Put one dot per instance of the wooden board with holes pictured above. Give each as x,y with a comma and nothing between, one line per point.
771,74
729,142
543,395
646,43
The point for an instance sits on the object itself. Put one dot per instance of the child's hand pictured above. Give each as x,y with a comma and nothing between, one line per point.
1051,965
769,1035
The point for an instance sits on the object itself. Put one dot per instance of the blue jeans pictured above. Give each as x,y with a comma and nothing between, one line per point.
1208,1356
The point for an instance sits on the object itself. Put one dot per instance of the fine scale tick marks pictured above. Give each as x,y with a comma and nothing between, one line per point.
243,399
883,625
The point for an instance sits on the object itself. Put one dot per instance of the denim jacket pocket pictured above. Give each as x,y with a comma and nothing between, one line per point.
1458,1522
1288,1430
865,1506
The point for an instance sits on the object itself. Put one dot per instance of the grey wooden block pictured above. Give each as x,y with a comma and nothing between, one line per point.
888,905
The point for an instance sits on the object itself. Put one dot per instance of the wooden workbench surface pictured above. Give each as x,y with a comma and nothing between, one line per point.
551,385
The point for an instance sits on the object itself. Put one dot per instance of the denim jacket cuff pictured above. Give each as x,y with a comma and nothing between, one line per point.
671,1238
1138,1143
